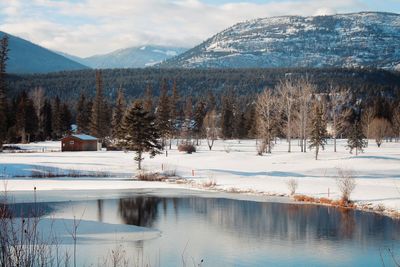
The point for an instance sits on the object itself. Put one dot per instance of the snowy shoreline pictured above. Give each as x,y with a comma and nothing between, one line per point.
233,165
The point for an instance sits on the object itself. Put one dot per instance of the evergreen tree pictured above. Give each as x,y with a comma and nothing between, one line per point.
140,133
163,113
318,134
187,124
47,120
26,118
100,117
240,126
3,91
118,114
148,99
356,138
198,119
56,119
211,102
65,119
251,121
227,116
174,113
83,114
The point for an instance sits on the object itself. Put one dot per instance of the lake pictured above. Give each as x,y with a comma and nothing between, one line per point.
189,228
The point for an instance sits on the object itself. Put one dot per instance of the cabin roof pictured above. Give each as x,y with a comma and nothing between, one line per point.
84,137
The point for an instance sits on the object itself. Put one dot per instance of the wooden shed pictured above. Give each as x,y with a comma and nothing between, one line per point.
79,142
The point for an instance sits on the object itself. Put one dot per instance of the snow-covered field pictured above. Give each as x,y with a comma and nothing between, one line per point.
233,165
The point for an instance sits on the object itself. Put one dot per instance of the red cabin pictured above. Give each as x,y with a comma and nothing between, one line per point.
79,142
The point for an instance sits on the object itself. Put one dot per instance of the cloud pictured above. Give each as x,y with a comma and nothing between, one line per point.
90,27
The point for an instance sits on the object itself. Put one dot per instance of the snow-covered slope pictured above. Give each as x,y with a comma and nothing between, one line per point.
367,39
133,57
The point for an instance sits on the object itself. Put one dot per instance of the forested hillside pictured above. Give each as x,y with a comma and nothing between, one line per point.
69,85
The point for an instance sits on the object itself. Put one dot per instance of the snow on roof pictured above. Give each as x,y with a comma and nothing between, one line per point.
84,137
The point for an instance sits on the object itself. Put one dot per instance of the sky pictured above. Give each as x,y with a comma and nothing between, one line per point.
88,27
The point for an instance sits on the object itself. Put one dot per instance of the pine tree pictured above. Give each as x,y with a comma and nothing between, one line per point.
56,119
118,114
356,139
26,118
148,99
47,120
163,113
240,126
187,124
318,134
198,119
140,133
3,90
174,113
83,115
227,117
65,119
211,102
100,117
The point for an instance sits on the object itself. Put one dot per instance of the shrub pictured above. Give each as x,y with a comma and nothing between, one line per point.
292,185
188,148
209,183
150,176
346,184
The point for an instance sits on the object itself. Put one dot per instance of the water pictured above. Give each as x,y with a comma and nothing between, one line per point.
186,228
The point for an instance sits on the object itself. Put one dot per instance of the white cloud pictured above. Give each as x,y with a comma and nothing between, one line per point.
99,26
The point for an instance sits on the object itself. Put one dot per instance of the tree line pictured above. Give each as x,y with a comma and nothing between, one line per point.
295,107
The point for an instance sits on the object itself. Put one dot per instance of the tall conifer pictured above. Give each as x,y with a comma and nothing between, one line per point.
140,133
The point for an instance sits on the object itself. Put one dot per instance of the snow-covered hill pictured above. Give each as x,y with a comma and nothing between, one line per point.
133,57
367,39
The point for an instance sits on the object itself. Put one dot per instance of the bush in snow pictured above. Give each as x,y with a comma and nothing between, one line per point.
187,147
346,184
292,186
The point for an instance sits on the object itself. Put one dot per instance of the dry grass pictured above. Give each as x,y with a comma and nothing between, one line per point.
324,201
150,176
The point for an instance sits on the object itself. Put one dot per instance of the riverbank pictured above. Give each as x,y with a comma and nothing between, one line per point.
231,166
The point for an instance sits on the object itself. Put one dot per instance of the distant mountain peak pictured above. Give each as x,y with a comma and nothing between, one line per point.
133,57
365,39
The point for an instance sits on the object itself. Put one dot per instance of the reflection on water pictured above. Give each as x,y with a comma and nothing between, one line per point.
228,232
139,211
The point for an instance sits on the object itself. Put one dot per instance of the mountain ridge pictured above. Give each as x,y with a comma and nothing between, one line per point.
28,57
131,57
363,39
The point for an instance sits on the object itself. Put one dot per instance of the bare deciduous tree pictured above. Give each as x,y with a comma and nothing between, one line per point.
380,128
346,183
305,91
396,122
367,116
266,108
287,93
210,127
292,185
337,99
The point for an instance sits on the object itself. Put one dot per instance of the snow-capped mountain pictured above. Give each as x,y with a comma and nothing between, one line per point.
366,39
134,57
